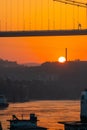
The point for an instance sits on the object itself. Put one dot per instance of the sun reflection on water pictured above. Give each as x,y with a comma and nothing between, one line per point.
49,113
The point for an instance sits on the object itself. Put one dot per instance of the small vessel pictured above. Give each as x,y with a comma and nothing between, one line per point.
25,124
3,102
82,124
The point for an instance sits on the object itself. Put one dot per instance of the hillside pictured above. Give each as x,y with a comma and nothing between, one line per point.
51,80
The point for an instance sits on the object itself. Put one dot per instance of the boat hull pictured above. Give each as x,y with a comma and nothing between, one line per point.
31,128
4,105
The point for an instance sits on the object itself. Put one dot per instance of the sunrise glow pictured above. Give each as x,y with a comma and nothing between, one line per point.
41,15
61,59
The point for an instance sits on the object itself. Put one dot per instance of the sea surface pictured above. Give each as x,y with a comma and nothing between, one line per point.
49,113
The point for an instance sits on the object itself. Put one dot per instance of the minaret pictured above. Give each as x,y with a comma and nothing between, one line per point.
83,114
66,53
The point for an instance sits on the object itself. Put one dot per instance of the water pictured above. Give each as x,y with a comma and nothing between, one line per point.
49,113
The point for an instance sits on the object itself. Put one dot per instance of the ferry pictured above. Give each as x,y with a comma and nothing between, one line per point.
3,102
25,124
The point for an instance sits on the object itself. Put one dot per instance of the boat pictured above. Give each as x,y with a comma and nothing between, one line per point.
3,102
82,123
25,124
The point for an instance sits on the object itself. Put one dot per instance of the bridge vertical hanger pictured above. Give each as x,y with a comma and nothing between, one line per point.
41,2
10,15
60,8
0,17
17,14
78,22
86,15
65,16
48,16
6,15
35,14
23,16
53,15
0,25
73,17
30,14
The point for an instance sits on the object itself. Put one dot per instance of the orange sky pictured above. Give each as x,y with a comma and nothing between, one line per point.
37,15
41,49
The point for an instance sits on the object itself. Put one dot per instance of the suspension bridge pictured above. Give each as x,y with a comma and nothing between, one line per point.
42,18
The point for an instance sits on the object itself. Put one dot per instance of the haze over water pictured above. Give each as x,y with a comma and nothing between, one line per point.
48,112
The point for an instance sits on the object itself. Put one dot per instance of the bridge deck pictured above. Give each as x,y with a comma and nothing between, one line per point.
42,33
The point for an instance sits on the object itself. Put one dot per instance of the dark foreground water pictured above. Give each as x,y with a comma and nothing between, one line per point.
49,113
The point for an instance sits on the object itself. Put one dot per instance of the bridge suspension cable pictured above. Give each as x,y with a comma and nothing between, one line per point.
73,2
43,15
78,4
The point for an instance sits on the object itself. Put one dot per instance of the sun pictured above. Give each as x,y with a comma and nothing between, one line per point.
61,59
